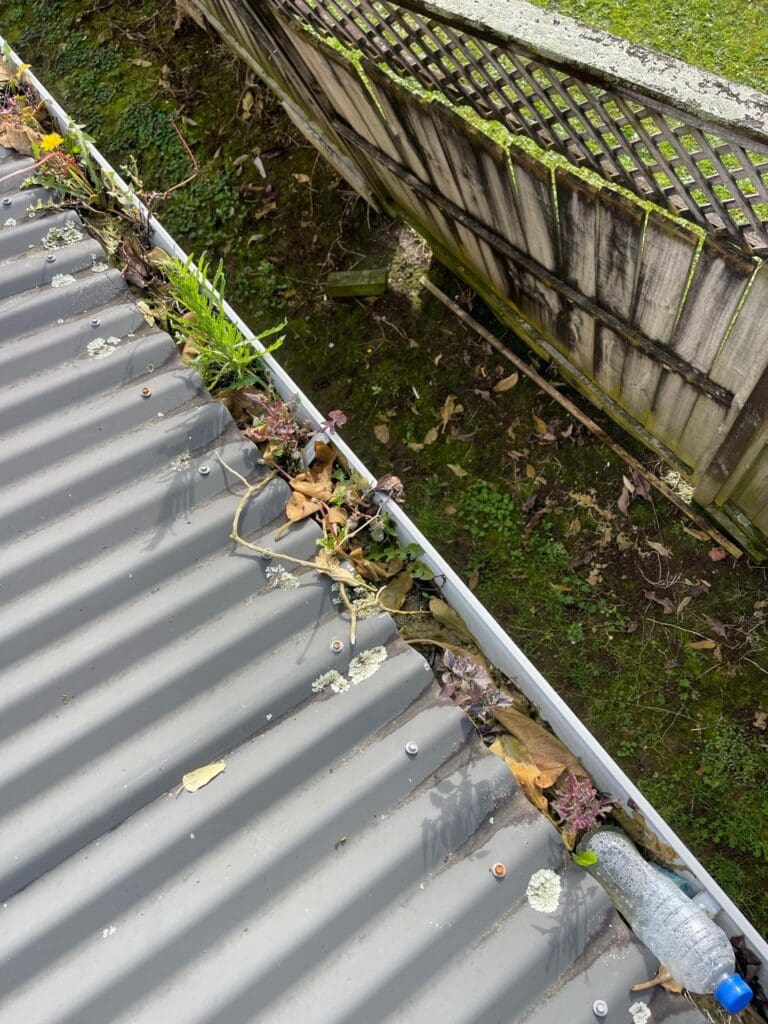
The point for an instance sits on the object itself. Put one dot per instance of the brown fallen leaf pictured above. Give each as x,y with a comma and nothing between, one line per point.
530,472
663,978
761,720
200,777
550,756
431,436
14,135
667,605
447,617
381,430
519,762
507,383
716,626
299,506
394,594
654,545
457,470
450,408
473,580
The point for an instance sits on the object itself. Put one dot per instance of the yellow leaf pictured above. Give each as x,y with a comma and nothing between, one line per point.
530,472
431,436
703,645
516,757
447,617
508,383
449,409
457,470
381,430
200,777
550,756
540,425
394,594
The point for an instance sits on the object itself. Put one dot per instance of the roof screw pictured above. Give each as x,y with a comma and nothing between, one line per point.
204,470
600,1008
50,258
336,646
95,321
498,870
411,748
6,200
145,392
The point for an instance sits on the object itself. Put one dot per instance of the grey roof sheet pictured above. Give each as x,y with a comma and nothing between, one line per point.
325,876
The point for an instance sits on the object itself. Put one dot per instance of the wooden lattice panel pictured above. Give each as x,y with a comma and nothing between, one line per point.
716,179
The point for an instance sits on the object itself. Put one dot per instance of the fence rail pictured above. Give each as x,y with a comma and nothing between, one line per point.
659,323
716,178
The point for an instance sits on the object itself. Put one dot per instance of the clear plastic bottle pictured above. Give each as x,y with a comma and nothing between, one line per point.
674,927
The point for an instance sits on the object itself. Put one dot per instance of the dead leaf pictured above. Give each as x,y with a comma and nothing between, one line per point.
507,383
654,545
663,978
140,63
717,554
299,506
561,587
623,501
623,542
337,517
703,645
14,135
666,604
550,756
447,617
200,777
519,762
304,179
761,720
248,103
431,436
457,470
381,430
716,626
573,528
684,604
642,487
530,472
539,425
416,446
450,510
628,484
449,409
473,580
394,594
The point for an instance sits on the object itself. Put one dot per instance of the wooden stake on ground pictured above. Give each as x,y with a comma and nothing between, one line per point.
582,417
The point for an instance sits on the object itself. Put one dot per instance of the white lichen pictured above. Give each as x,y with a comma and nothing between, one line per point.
543,892
279,578
640,1012
61,280
365,664
332,680
181,462
101,347
10,223
99,268
57,238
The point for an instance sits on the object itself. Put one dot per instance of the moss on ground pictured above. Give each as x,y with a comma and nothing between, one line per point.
567,574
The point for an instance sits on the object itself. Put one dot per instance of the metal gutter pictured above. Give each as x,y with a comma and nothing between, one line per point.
493,640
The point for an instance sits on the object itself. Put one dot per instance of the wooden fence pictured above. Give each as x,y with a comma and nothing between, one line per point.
551,189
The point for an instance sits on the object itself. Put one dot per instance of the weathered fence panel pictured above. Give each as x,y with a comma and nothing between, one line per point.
664,325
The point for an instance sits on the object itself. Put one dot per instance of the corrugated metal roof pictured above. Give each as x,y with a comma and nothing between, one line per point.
326,875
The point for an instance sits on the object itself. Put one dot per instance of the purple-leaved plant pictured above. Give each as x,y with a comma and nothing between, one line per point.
578,805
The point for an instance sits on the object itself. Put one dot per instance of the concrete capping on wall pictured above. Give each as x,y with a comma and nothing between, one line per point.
566,42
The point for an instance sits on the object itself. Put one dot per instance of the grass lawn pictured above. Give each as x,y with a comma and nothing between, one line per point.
727,37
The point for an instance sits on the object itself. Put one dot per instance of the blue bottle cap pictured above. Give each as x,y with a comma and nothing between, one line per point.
733,993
